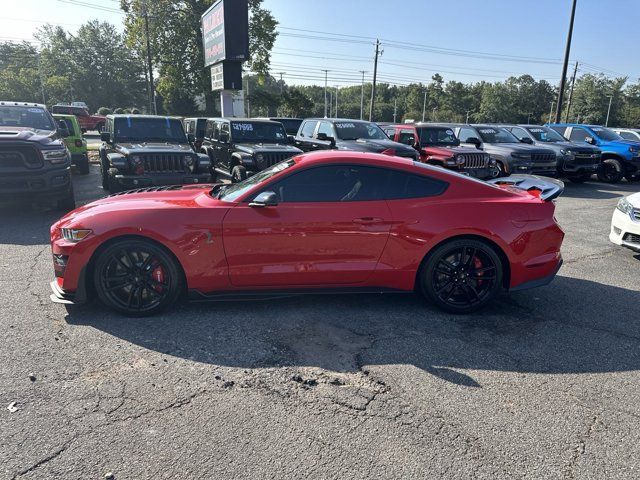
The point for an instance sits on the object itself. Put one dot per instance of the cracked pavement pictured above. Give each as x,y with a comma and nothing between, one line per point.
544,384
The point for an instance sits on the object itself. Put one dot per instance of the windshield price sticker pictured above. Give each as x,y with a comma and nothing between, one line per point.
597,129
243,127
36,110
345,125
488,130
449,132
536,130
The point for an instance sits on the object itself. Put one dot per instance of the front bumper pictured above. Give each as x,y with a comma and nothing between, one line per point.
625,231
545,169
579,165
135,181
53,183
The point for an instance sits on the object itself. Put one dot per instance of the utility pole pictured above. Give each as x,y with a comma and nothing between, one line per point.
44,100
362,94
467,120
606,123
330,103
573,84
424,104
152,95
336,112
433,118
565,64
281,86
248,100
551,112
375,76
325,92
395,109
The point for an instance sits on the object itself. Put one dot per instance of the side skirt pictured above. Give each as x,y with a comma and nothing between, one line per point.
198,296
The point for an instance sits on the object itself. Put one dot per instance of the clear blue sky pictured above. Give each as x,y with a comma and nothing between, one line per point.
531,33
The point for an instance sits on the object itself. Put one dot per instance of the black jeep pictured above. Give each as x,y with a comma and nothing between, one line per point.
238,147
146,150
34,161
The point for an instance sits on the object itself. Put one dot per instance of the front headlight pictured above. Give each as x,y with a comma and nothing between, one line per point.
56,156
634,149
460,160
624,206
74,234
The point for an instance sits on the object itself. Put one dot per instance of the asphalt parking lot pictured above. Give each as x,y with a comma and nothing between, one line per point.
545,384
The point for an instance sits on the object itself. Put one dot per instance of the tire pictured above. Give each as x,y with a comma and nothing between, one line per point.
83,166
112,184
611,171
632,178
461,276
580,178
66,203
137,278
104,170
238,173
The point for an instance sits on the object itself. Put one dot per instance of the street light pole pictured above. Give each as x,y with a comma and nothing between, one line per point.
362,94
551,112
325,92
606,123
424,104
565,64
152,95
467,120
336,112
373,85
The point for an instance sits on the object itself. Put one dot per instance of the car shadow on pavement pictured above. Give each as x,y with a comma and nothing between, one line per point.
26,224
571,326
593,190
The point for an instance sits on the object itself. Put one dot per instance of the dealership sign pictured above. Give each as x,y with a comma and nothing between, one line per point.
226,76
225,32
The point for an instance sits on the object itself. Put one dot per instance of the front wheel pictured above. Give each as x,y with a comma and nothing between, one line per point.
137,278
610,171
238,173
461,276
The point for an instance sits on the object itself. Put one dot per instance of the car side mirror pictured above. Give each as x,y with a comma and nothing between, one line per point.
224,137
526,140
291,139
323,137
590,140
474,141
191,137
265,199
105,137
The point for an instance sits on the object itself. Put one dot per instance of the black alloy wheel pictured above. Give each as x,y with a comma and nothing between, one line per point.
610,171
462,276
137,278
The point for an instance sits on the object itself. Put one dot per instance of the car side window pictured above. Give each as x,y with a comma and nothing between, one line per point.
224,128
326,128
334,183
209,129
409,185
628,136
578,134
308,128
187,127
466,133
407,137
519,133
391,132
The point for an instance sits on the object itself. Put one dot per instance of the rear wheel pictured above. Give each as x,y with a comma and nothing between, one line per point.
462,276
611,171
137,278
83,166
238,173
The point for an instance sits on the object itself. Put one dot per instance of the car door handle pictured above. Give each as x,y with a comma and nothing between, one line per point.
367,220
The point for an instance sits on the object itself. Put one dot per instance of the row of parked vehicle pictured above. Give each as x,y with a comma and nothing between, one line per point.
144,150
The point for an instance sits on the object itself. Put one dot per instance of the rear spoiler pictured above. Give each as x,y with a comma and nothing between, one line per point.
543,187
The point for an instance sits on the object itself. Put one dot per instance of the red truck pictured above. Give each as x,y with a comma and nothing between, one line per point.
85,119
439,146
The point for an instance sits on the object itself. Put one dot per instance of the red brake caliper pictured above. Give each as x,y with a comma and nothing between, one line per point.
478,264
158,276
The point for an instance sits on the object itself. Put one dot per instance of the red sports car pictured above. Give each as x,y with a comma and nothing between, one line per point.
319,222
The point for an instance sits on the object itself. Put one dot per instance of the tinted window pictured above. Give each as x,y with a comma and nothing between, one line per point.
209,130
247,131
606,134
391,132
560,130
437,136
354,183
546,134
134,129
578,134
408,185
519,133
308,128
407,137
496,135
353,130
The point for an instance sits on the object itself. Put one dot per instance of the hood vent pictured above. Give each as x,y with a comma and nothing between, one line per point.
162,188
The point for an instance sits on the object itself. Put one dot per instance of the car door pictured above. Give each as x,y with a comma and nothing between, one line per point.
304,139
324,128
330,227
223,148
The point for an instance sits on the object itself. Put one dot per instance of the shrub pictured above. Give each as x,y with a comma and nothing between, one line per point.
104,111
118,111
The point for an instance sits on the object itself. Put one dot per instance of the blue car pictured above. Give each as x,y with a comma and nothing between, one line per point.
620,157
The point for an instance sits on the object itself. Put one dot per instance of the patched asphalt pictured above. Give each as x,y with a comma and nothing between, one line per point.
544,384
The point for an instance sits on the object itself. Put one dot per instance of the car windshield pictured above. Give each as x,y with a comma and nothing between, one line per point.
290,124
258,132
606,134
35,118
437,136
145,129
230,193
355,130
496,135
545,134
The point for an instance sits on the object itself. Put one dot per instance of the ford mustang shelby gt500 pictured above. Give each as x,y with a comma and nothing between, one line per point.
319,222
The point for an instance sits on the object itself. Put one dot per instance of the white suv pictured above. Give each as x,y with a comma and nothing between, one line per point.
625,224
628,133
